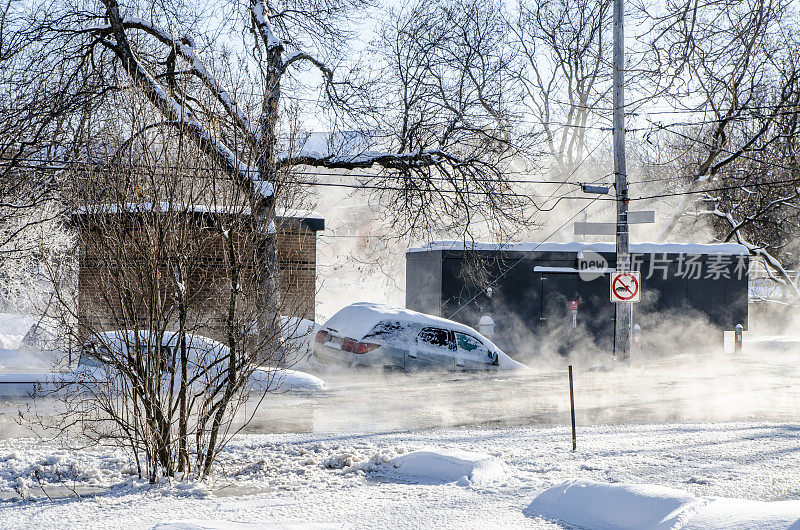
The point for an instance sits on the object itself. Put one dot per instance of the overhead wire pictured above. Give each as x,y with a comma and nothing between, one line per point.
506,271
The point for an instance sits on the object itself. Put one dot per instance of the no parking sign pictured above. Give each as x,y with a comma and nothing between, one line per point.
625,286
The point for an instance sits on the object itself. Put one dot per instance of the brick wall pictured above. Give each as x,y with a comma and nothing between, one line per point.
207,283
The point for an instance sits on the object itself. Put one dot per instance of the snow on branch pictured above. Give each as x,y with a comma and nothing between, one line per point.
302,56
174,111
185,48
769,260
369,159
265,29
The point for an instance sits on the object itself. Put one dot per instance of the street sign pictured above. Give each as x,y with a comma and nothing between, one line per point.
610,229
573,305
625,286
595,229
642,217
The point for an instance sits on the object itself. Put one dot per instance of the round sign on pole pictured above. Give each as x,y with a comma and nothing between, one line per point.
625,286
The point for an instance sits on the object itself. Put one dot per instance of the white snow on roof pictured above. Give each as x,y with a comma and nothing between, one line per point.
298,214
577,246
142,207
356,320
136,207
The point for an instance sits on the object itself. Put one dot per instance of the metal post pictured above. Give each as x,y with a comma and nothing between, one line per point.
637,338
622,328
572,407
737,344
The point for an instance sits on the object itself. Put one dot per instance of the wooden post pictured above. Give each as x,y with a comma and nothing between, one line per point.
622,327
572,406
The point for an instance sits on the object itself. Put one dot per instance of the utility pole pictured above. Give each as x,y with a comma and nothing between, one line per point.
622,323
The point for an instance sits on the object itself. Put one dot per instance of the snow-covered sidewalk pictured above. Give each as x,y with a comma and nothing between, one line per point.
351,480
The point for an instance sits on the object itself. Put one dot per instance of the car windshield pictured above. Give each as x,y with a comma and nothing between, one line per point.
469,343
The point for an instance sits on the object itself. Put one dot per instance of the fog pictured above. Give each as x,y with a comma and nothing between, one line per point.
680,374
758,384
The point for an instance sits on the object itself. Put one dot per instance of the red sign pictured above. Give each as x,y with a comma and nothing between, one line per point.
573,305
625,287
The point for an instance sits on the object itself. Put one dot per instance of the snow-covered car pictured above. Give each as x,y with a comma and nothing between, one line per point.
206,359
367,334
206,365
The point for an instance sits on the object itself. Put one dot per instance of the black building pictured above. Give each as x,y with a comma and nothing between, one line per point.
527,288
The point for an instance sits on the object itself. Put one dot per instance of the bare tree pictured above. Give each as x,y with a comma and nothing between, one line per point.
724,66
728,71
229,101
563,74
165,306
232,100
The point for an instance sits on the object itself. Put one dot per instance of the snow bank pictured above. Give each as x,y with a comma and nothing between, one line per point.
298,336
449,465
642,507
619,506
22,360
13,328
295,381
285,380
220,524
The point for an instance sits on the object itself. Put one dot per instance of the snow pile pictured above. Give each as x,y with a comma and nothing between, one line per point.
641,506
221,524
16,360
298,336
283,380
348,480
32,469
449,465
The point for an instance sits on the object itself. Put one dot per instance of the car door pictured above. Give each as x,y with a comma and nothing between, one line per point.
434,351
472,353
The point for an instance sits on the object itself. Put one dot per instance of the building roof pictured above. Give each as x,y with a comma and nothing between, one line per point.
578,246
308,219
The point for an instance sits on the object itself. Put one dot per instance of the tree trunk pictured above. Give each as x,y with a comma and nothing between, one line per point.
267,299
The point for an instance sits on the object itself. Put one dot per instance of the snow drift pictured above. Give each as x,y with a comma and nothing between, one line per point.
449,465
281,379
649,507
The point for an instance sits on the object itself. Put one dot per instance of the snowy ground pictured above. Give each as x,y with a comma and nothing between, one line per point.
705,424
344,480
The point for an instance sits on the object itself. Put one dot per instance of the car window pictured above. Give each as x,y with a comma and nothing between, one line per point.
469,344
94,355
434,337
88,360
385,330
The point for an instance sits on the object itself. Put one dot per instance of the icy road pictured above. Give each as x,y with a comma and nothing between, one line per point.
758,385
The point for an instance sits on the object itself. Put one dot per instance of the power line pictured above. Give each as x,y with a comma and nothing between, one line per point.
409,189
720,188
728,151
502,274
